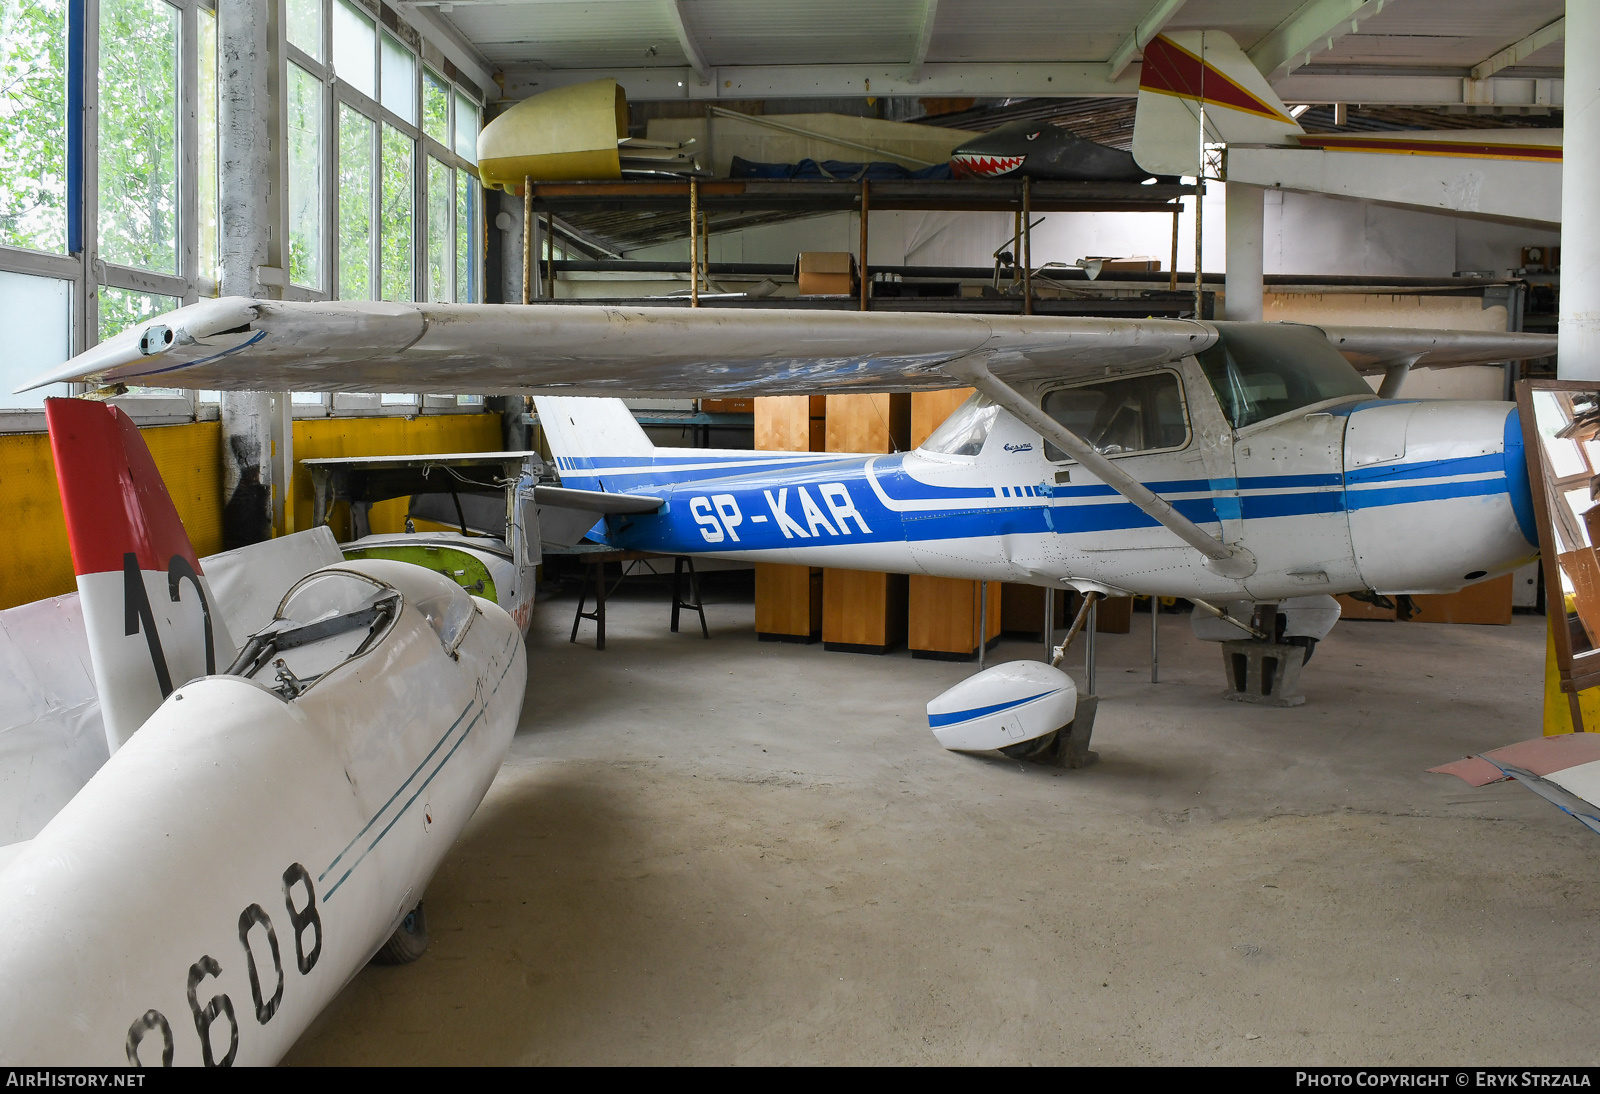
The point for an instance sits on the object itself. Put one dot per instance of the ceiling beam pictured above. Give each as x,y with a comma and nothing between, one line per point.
1314,27
1310,85
836,81
930,11
691,52
1519,51
1151,25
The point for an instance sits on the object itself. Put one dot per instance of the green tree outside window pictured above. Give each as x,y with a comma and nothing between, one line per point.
33,117
139,134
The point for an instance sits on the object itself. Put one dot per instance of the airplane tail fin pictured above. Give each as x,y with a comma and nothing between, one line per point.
589,436
1181,71
152,622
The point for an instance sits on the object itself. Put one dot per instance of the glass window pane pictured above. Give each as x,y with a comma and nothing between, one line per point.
305,177
399,80
207,107
391,398
395,217
355,205
37,314
139,134
441,231
435,107
466,237
353,47
33,117
1117,417
466,128
122,308
305,26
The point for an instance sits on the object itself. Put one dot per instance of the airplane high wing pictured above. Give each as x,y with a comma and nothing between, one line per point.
235,343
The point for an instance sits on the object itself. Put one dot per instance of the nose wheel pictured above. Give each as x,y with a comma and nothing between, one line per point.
408,942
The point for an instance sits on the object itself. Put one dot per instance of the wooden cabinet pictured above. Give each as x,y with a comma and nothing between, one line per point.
865,612
1486,602
788,598
942,617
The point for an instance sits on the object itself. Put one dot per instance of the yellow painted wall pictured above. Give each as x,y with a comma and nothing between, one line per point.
1557,709
322,437
190,461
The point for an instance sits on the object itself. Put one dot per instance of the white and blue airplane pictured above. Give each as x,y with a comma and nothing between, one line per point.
1236,463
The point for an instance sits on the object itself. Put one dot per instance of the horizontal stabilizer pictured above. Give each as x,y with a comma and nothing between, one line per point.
594,501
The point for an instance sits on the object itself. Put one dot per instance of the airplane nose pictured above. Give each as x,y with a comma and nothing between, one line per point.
1437,493
1515,459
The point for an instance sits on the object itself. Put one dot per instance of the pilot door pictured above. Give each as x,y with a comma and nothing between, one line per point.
1141,420
1287,501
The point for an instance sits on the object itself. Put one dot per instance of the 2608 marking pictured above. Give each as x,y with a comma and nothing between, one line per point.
303,919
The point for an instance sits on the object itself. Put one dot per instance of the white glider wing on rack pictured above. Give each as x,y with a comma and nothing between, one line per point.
239,344
274,345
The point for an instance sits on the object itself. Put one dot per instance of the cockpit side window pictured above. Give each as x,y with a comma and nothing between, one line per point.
963,433
1122,416
1259,372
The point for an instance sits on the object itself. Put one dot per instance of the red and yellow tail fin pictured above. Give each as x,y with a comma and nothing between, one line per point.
150,616
1181,71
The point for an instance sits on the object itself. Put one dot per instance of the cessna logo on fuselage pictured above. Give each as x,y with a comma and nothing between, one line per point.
1028,447
718,515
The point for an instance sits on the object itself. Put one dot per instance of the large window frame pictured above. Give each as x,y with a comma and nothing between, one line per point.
337,93
87,272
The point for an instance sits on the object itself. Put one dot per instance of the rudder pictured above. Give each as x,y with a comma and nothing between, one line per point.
152,622
585,434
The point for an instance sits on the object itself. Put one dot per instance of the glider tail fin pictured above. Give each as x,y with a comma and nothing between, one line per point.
152,622
589,436
1181,71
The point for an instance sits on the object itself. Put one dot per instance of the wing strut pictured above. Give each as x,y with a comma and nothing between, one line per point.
1225,560
1395,373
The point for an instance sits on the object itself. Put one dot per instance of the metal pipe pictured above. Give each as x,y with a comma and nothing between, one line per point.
1232,561
1049,619
865,191
1172,279
1027,246
1155,658
527,239
983,620
550,262
1088,645
1212,609
694,242
1078,621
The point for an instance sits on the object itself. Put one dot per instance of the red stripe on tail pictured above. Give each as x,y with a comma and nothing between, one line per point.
111,492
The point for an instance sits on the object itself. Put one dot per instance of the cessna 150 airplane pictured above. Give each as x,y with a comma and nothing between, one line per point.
1217,461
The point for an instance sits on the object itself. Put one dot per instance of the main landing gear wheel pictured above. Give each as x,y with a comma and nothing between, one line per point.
409,941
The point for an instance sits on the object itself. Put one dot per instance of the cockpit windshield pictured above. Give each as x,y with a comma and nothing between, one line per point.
964,432
1259,372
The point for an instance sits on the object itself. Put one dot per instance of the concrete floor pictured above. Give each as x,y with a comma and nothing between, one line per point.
736,852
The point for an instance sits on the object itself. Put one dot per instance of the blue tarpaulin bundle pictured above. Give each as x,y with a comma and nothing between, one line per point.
836,170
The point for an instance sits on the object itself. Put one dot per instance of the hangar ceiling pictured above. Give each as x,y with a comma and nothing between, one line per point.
1483,53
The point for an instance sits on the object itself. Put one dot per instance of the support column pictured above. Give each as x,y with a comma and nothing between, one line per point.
1244,273
1579,347
244,211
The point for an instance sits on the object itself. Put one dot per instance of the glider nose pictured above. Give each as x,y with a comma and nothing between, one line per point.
1437,493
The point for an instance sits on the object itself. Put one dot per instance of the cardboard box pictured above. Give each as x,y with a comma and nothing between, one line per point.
825,273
